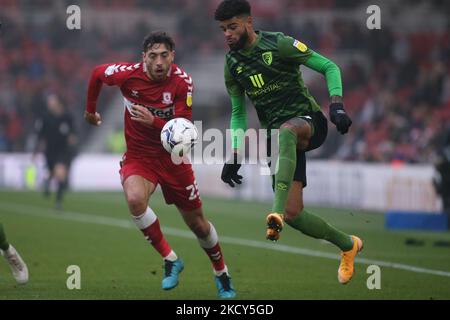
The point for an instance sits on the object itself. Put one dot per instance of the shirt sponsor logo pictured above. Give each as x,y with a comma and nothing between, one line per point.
164,113
267,89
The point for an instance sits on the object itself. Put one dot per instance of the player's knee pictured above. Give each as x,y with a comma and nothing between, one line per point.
300,129
288,126
136,203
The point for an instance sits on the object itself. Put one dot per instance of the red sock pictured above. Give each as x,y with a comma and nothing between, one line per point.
216,257
153,234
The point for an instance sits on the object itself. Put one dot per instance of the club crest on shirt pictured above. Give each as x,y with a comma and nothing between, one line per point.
267,57
135,93
167,98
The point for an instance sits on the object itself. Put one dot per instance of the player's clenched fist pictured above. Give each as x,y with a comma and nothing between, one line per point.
230,171
339,117
93,118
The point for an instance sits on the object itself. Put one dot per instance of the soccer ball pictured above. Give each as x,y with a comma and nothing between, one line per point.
178,136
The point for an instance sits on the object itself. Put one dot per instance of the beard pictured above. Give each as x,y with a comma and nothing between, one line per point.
156,76
161,76
240,43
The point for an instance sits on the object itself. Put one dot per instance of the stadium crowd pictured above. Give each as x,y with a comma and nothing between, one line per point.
396,83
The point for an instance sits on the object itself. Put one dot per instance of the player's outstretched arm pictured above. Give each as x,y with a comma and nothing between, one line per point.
332,74
95,85
110,74
296,52
238,124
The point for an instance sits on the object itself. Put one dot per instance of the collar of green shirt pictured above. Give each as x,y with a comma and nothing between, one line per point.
249,50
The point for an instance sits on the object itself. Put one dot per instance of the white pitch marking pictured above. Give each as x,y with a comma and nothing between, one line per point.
122,223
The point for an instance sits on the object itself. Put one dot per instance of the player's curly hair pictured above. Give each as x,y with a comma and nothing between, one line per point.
228,9
158,37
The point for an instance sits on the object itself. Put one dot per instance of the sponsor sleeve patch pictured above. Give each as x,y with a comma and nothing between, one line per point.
189,99
300,46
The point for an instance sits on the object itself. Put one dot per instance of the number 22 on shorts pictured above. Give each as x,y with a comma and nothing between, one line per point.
194,191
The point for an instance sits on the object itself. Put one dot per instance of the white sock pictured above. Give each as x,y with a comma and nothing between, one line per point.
146,219
219,272
172,256
211,240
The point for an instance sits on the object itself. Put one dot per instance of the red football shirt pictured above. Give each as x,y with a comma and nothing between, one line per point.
171,98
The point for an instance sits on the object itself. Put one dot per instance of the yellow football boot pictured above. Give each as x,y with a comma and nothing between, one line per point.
346,268
274,226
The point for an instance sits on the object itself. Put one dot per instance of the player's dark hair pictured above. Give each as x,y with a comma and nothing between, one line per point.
158,37
228,9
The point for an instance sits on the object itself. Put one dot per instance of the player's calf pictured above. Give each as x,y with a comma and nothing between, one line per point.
149,225
211,246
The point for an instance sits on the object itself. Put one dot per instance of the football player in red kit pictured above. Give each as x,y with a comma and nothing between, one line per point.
155,91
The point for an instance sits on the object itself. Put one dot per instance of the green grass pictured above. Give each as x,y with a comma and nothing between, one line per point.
117,263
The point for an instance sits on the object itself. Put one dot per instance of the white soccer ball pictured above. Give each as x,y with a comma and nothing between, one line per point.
178,136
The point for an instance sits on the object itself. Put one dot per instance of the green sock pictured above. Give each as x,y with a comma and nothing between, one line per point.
287,160
4,245
316,227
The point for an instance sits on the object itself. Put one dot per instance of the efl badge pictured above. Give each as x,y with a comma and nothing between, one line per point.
189,99
300,46
167,98
267,57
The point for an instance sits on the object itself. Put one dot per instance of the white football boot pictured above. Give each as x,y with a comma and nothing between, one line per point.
18,267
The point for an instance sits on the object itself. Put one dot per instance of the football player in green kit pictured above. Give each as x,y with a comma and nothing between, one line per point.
265,66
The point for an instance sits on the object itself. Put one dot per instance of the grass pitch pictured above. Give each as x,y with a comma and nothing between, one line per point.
96,233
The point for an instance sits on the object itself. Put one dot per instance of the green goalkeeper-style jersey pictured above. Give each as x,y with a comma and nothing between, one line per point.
269,74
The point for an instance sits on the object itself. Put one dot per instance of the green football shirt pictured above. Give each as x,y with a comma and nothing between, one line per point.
269,74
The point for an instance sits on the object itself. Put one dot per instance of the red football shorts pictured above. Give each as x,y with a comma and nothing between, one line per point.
177,181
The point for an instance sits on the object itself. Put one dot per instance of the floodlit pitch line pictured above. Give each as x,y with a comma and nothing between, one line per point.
122,223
